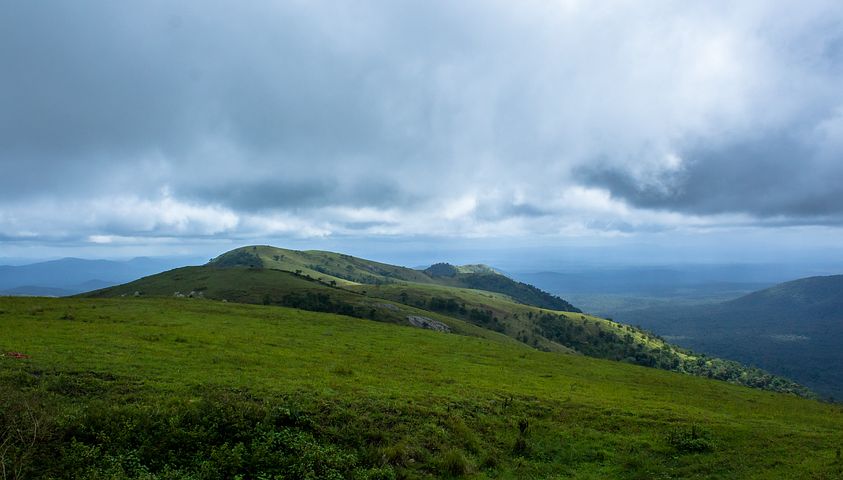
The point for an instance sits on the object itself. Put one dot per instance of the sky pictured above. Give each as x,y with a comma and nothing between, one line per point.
708,130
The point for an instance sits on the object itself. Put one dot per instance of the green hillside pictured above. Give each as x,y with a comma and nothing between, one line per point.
248,275
189,388
482,277
793,329
348,270
275,287
343,269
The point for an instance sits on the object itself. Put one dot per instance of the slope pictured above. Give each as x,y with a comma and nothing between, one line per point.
482,277
461,310
347,270
184,388
793,329
275,287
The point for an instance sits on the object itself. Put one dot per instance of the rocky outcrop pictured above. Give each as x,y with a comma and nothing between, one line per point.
428,323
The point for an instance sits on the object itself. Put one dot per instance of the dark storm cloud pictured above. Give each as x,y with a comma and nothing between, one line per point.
776,175
415,117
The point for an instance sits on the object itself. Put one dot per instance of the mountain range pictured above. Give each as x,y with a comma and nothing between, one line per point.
68,276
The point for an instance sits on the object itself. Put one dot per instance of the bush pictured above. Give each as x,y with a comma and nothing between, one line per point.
521,446
692,440
221,434
24,424
454,463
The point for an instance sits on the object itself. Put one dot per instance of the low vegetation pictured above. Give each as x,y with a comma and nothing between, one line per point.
190,388
248,275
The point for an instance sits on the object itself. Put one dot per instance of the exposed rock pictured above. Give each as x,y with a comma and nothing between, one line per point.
428,323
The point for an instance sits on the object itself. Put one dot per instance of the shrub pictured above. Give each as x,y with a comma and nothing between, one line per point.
692,440
521,446
454,463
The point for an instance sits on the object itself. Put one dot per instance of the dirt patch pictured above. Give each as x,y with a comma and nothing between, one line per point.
15,355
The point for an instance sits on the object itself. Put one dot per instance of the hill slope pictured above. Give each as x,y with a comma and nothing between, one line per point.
793,329
276,287
348,270
243,275
184,388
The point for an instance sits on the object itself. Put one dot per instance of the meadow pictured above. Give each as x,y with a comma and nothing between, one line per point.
188,388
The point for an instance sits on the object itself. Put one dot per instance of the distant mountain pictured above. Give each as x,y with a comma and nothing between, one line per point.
658,281
793,329
35,291
68,276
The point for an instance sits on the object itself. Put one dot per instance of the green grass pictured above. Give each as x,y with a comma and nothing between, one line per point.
346,270
121,382
466,311
341,268
266,286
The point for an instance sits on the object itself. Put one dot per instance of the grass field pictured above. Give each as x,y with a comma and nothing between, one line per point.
191,388
241,276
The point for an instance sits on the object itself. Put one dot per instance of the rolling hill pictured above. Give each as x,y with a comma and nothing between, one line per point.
186,388
348,270
793,329
475,301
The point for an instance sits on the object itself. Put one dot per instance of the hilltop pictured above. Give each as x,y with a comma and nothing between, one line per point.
349,270
793,329
481,304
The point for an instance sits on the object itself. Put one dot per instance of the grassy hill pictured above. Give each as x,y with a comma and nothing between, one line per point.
276,287
188,388
793,329
348,270
311,281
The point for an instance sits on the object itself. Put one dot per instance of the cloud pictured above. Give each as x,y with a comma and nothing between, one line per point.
216,119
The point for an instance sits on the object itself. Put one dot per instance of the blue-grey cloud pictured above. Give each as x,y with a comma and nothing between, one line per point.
223,119
783,174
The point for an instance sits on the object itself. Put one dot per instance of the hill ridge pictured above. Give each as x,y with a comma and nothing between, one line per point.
347,269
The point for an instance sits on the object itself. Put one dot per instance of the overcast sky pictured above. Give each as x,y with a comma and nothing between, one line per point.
150,127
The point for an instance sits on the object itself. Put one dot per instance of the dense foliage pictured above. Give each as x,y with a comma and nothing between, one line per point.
794,329
624,348
522,292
